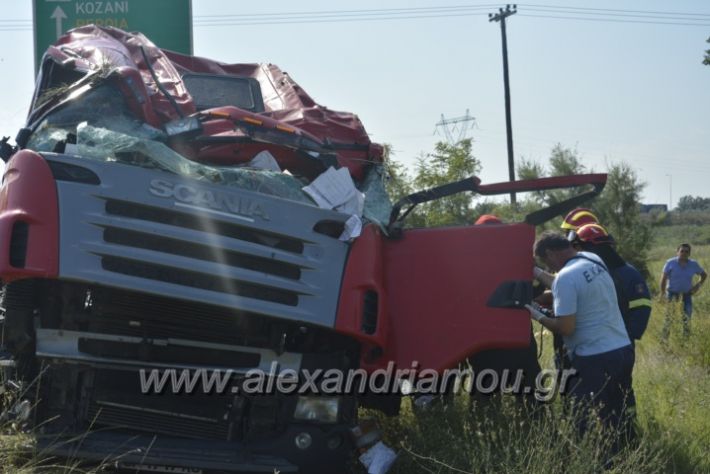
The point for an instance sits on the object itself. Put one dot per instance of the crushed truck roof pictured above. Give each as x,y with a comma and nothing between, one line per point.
104,52
109,95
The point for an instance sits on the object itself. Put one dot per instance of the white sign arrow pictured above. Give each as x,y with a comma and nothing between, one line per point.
58,15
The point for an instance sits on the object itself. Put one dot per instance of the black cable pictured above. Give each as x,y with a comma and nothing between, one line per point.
610,10
334,20
615,15
325,16
356,12
161,88
609,20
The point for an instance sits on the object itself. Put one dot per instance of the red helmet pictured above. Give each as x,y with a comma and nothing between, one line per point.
593,234
488,219
579,217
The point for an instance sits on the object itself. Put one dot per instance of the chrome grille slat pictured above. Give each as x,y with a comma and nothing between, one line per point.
141,315
124,418
188,235
177,291
197,266
213,224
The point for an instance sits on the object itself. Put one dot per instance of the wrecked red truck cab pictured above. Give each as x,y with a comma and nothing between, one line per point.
172,227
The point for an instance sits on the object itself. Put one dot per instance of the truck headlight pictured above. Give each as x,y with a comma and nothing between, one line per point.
318,409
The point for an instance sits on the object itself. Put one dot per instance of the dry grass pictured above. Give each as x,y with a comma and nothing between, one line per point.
672,384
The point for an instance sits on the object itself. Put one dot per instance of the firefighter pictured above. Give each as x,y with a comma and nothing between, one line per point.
576,218
571,222
632,291
633,296
485,219
588,318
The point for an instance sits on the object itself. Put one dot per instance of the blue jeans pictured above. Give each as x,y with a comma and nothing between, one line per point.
687,301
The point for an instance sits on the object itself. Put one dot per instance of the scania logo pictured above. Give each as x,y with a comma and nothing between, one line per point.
193,196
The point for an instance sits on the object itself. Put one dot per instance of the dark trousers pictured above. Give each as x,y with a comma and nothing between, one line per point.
603,383
687,300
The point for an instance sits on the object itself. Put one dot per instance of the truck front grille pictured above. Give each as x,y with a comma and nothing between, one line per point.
274,261
167,274
120,416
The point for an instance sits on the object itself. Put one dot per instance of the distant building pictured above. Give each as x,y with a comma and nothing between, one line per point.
649,208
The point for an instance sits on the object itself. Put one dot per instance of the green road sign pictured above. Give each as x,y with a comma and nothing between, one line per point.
167,23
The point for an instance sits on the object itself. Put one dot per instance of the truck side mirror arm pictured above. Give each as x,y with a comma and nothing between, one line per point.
412,200
598,181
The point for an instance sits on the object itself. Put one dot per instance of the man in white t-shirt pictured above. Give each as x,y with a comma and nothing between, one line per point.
587,317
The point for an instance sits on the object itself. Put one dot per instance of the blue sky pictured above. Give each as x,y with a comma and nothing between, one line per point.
615,91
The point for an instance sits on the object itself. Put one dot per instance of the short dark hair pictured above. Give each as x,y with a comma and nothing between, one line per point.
550,240
687,246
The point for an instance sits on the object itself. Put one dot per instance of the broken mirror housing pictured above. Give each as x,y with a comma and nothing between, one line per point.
183,126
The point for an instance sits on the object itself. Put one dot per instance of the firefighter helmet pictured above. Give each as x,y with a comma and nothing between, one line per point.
579,217
488,219
593,234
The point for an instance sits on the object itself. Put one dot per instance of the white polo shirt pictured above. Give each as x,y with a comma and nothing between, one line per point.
585,288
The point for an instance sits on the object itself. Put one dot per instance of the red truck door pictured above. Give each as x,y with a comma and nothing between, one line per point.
438,283
423,297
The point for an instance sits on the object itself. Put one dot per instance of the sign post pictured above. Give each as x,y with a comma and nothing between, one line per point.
167,23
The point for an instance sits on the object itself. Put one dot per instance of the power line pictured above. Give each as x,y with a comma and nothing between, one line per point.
333,20
413,13
610,20
456,9
610,15
626,15
561,7
356,12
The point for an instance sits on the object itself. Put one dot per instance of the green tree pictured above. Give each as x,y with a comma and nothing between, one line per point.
530,169
693,203
618,210
706,60
448,163
398,182
617,207
562,162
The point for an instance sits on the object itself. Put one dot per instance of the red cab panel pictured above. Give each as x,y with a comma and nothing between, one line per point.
364,275
432,287
29,220
438,283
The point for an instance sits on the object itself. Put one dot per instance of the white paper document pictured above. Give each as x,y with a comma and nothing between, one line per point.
264,161
336,190
353,228
378,459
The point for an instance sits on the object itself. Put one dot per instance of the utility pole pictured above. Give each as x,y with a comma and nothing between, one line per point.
463,124
501,16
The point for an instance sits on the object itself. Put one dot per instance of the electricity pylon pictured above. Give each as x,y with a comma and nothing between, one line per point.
458,127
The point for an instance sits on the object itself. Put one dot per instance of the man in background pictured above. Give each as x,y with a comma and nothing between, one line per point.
677,285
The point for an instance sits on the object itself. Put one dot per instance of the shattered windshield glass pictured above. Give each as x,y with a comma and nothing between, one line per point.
378,204
98,125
